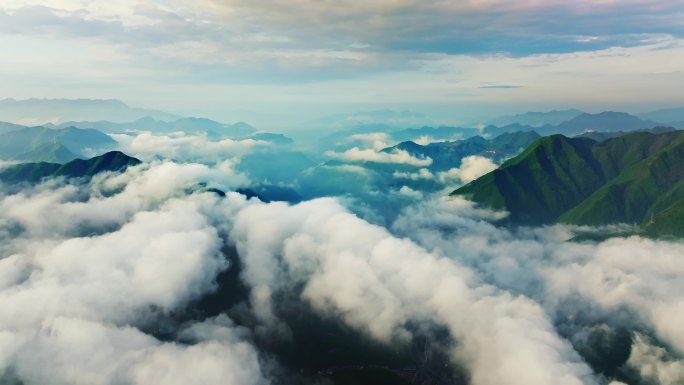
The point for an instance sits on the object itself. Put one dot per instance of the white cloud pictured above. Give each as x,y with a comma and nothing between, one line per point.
634,276
472,167
411,193
638,273
378,283
77,351
125,248
142,187
161,259
185,147
423,173
424,140
398,157
652,362
76,285
377,141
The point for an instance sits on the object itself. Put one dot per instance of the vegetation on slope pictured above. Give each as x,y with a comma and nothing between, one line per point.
79,168
636,178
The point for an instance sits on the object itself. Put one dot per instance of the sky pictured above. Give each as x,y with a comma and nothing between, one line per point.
299,59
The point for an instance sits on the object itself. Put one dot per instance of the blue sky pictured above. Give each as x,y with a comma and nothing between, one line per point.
288,60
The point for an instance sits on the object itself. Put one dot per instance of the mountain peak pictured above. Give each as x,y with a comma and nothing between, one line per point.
115,161
582,181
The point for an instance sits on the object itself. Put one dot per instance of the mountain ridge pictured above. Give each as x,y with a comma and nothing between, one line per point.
581,181
78,168
60,145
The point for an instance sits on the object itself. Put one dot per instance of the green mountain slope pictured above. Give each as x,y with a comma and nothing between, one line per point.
541,183
628,179
647,186
79,168
28,172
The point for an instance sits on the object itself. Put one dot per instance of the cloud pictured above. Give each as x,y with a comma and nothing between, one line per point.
465,27
411,193
161,259
86,288
423,173
587,288
637,273
377,141
472,167
116,255
77,351
379,284
140,188
397,157
654,363
344,38
185,147
424,140
280,58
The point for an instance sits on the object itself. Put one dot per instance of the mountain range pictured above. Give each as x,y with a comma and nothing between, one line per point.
446,155
79,168
40,111
669,116
195,126
536,119
42,144
635,178
603,122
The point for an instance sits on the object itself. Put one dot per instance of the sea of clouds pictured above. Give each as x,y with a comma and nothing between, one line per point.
92,271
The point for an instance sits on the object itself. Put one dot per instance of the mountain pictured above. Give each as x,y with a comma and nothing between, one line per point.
600,136
603,121
211,128
664,116
7,127
45,144
446,155
272,138
49,152
536,119
493,131
270,193
633,178
41,111
79,168
345,139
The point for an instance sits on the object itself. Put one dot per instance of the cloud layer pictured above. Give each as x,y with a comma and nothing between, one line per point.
79,286
242,55
92,290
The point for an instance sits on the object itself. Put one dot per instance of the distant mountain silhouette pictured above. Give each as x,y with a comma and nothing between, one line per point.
54,145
